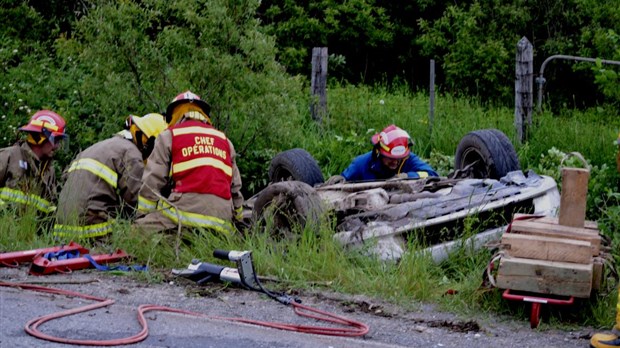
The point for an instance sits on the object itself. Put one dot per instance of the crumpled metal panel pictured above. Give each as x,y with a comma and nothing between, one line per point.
466,197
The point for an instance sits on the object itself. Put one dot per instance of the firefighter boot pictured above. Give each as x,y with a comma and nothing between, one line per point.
602,340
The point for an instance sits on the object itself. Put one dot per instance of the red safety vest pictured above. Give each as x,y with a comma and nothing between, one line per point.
201,159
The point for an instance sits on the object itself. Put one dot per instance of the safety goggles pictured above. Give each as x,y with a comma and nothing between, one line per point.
55,139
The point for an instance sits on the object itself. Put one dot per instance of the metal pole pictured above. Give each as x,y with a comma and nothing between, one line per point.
540,80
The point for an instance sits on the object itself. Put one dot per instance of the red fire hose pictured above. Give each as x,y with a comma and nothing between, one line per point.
351,328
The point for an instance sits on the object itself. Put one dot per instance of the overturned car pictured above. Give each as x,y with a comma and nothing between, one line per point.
486,189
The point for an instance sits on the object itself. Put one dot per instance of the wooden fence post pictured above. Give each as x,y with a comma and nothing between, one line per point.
524,88
431,92
318,84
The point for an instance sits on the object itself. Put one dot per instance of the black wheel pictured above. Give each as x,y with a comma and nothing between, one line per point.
290,203
489,152
295,164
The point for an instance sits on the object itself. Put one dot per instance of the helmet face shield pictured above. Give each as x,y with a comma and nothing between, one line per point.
59,140
397,152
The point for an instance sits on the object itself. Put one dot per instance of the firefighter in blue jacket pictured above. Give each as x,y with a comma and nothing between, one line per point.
390,157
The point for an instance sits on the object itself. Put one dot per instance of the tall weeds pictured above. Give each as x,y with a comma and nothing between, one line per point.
313,259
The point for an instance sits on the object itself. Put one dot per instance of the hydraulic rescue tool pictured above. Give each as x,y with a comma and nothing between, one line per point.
14,258
244,274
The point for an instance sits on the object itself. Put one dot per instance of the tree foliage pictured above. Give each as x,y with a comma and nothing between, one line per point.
473,47
608,78
473,41
358,30
97,61
133,57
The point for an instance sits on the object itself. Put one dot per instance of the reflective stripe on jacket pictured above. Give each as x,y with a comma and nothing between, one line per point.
145,205
196,220
33,200
201,159
80,232
99,169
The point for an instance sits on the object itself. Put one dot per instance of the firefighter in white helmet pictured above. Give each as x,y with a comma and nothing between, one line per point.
198,163
26,169
103,181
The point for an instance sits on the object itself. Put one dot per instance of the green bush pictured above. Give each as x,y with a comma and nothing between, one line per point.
134,57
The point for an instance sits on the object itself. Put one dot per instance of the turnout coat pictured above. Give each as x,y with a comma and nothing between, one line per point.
198,164
102,182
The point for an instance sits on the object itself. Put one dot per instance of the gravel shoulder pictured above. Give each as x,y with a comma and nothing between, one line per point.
390,326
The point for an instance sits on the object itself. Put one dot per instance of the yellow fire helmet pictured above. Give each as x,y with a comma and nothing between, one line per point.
151,124
144,130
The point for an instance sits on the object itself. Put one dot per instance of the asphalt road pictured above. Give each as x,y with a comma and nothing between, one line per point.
166,329
18,306
390,326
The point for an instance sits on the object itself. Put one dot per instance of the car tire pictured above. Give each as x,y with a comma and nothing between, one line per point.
491,150
295,164
289,203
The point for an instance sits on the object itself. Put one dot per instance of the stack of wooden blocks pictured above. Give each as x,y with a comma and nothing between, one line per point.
555,256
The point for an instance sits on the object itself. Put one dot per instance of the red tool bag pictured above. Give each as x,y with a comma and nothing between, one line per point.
14,258
69,262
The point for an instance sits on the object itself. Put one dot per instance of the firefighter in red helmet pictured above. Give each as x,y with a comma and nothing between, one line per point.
198,162
390,157
26,170
103,181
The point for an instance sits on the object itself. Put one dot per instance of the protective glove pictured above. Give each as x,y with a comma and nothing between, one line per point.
241,224
238,214
401,176
335,179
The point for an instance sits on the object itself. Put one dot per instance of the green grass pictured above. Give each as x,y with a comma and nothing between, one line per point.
315,260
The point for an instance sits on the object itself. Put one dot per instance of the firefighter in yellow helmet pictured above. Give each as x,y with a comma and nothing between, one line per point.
26,170
608,340
198,162
103,181
612,339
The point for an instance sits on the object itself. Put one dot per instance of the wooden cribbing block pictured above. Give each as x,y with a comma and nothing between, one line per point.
573,196
557,231
587,224
547,248
545,277
597,273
